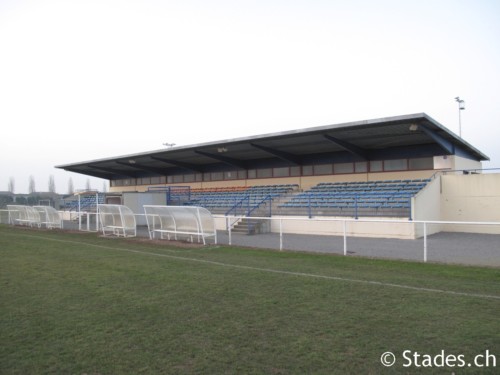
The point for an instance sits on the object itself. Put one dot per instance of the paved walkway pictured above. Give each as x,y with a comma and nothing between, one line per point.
444,247
460,248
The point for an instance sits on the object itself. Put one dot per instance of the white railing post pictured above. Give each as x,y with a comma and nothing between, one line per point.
97,221
425,241
345,237
96,208
281,234
228,229
79,214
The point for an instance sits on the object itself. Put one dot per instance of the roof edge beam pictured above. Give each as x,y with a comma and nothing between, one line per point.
105,176
188,166
349,147
443,143
229,161
113,171
143,167
280,154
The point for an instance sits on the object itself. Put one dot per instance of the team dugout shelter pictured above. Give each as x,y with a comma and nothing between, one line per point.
412,146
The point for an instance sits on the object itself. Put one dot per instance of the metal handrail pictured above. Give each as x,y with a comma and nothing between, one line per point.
249,209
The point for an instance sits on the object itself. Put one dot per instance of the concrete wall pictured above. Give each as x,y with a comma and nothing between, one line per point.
463,163
461,198
136,201
359,228
426,206
443,162
473,197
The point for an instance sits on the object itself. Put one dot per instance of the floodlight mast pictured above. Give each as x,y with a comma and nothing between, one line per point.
461,107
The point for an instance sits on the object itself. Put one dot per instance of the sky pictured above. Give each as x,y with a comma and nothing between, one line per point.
84,80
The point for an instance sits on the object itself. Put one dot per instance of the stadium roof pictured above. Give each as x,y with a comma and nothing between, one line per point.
408,136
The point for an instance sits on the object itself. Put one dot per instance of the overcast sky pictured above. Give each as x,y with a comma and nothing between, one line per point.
83,80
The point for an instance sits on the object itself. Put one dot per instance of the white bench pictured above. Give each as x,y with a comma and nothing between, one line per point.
180,221
23,215
49,217
117,220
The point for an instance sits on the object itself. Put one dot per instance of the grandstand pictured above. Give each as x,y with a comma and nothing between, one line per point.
397,167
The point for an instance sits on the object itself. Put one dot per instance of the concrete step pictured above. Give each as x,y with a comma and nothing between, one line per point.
250,226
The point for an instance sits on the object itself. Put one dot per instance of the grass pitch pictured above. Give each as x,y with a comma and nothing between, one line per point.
80,304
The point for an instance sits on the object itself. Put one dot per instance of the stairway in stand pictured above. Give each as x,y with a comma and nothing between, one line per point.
251,226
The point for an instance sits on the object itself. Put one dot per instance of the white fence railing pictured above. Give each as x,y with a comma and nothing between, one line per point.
474,243
447,241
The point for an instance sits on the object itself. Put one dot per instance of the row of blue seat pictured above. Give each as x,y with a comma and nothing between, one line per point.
352,206
378,182
86,201
373,198
369,187
251,196
340,194
389,194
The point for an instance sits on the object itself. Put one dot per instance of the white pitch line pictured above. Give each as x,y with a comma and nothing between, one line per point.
270,270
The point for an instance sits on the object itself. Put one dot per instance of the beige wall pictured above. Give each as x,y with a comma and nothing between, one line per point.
462,163
335,227
443,162
460,198
123,189
358,228
426,206
473,197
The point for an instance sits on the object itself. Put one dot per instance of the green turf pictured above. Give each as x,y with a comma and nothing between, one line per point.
80,304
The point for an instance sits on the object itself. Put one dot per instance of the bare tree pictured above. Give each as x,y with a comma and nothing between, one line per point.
12,185
71,187
52,184
31,186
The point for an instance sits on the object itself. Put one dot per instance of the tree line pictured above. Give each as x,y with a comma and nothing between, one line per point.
51,186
